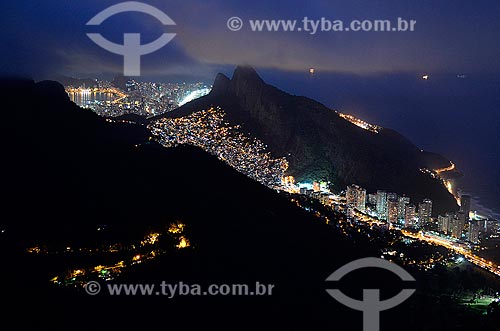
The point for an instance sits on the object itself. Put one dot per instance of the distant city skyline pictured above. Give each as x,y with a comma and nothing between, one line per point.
171,159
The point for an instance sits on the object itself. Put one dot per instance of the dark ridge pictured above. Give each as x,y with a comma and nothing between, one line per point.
67,170
134,118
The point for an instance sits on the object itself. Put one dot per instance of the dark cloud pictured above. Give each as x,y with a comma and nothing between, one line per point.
452,36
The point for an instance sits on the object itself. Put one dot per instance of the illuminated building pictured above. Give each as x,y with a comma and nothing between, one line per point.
372,199
490,227
392,196
458,225
356,197
351,194
445,222
410,215
392,211
473,234
424,212
382,204
402,202
361,200
316,187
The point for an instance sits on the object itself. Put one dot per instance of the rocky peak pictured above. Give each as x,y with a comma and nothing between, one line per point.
246,74
221,84
246,82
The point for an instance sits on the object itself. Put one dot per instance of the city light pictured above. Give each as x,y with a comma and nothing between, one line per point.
194,95
142,98
208,130
362,124
183,243
138,252
354,209
451,167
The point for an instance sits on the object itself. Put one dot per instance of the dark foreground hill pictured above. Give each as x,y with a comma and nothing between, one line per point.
319,144
64,170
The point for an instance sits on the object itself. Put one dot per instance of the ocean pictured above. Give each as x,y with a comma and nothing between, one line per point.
456,115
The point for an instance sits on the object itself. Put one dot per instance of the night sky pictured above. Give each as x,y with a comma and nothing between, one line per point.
374,75
40,37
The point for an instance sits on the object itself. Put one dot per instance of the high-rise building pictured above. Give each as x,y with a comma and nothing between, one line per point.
350,195
392,196
316,187
455,232
465,205
473,234
458,225
361,200
490,227
356,197
382,204
445,223
410,215
372,199
402,202
424,212
392,211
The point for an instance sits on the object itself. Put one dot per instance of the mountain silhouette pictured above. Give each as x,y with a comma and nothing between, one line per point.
67,170
319,144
